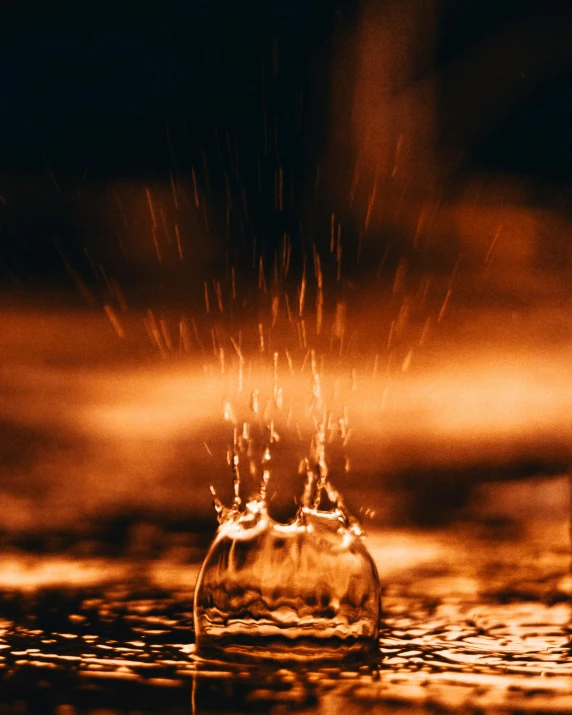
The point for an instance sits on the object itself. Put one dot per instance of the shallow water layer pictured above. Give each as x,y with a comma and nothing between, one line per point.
475,618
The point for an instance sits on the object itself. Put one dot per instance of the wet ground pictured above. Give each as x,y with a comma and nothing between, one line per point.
476,619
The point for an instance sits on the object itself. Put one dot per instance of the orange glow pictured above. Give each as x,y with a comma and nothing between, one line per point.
28,573
145,431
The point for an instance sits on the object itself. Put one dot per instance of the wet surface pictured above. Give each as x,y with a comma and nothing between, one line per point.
107,456
475,618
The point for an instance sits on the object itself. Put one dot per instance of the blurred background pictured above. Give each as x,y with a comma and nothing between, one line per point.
190,186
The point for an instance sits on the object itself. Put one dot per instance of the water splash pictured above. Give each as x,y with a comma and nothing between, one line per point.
304,590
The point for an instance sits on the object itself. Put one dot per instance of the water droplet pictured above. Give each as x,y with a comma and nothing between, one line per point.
304,590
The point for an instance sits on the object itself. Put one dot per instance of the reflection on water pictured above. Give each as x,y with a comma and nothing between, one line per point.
475,617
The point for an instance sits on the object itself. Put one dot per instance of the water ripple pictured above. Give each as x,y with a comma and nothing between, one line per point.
131,642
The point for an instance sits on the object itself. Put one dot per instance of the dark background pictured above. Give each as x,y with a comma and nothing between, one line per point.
99,82
99,92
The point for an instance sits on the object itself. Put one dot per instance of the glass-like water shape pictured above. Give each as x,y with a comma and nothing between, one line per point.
305,590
